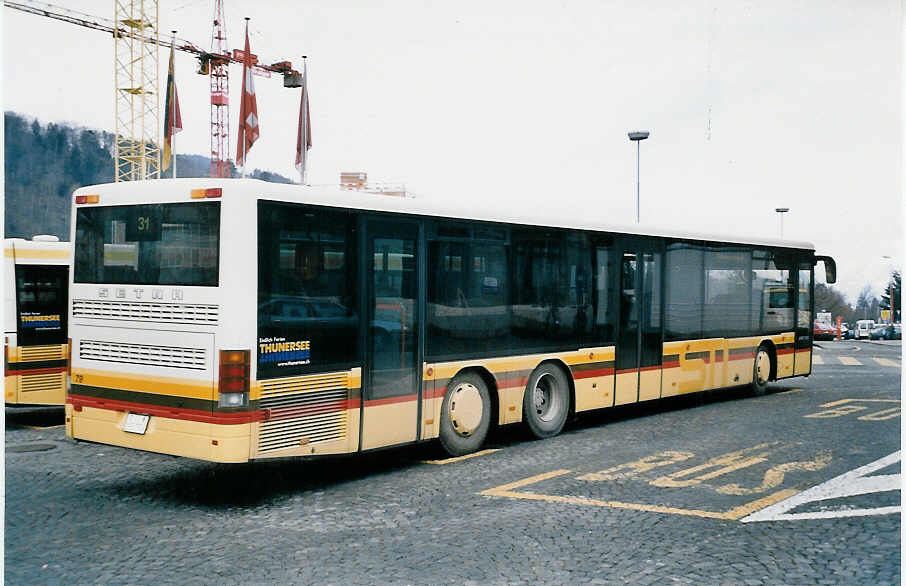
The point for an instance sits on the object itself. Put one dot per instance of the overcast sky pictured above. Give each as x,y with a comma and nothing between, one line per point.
501,105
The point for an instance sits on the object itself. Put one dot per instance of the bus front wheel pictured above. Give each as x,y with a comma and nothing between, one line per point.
761,371
465,415
545,405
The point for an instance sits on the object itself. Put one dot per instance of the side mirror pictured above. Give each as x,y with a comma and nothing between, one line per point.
830,269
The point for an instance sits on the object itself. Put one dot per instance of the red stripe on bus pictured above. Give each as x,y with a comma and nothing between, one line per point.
593,373
786,351
168,412
742,355
51,370
390,400
435,393
671,365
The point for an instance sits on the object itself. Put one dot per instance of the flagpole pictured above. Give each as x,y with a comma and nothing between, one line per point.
304,170
247,60
172,106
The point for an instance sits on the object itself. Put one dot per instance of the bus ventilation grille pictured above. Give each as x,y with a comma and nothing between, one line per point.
174,357
42,382
174,313
53,352
303,410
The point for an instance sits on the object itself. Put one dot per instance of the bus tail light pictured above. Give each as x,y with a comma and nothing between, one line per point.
207,193
233,385
87,199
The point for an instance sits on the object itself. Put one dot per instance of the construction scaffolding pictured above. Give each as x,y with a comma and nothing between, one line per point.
137,104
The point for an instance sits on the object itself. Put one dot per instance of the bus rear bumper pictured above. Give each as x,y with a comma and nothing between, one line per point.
227,443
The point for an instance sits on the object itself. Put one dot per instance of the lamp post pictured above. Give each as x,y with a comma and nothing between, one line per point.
781,211
637,136
891,290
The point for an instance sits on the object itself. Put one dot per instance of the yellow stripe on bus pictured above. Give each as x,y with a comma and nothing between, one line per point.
28,253
159,385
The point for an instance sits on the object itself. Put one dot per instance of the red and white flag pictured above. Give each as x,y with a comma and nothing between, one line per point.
248,110
303,137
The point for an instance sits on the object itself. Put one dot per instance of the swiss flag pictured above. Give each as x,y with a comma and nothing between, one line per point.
248,110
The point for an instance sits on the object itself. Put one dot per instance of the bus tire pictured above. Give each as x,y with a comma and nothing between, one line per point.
545,405
761,370
465,414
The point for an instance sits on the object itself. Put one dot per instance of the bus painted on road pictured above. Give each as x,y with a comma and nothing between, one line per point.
234,320
35,294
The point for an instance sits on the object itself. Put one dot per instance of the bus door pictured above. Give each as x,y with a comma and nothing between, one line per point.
640,335
392,377
805,312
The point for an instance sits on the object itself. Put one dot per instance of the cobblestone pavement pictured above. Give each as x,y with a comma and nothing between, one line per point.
665,493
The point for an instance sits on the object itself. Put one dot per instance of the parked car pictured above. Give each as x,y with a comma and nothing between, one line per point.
882,332
863,328
823,331
846,331
897,332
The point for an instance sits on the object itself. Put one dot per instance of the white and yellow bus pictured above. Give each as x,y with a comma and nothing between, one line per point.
233,320
35,286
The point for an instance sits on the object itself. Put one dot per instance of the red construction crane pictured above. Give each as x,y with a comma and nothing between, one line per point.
214,63
220,97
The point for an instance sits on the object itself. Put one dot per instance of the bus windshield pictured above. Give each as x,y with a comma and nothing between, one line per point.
153,244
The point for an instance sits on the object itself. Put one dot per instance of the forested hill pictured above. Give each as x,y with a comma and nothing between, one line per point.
46,163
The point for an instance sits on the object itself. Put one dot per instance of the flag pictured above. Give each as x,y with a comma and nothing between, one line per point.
303,137
248,110
172,118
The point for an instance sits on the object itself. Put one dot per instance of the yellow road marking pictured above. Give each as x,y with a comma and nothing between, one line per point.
887,362
791,391
845,401
506,490
460,458
849,361
38,427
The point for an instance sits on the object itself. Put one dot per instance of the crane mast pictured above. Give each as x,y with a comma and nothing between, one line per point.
137,100
220,96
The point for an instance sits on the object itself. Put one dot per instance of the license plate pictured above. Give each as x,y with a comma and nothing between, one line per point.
136,423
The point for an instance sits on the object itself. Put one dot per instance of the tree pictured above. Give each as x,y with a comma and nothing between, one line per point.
894,285
866,305
829,299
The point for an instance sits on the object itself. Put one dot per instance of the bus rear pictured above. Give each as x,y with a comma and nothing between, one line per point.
36,277
156,320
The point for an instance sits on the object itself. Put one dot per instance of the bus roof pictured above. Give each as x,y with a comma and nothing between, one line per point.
333,196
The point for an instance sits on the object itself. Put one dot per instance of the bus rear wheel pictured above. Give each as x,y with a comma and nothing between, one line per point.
465,415
761,370
545,405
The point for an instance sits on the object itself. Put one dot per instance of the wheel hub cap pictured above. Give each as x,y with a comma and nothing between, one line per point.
465,409
764,367
544,398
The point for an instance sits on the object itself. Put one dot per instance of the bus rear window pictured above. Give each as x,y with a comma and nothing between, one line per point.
41,297
150,244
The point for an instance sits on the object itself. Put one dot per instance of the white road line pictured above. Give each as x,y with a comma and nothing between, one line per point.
887,362
817,359
852,483
849,361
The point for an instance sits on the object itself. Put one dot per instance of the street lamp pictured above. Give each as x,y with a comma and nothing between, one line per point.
891,290
781,211
637,136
